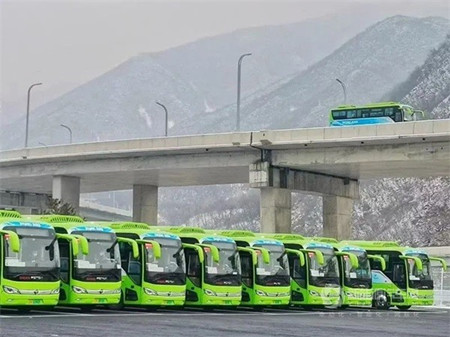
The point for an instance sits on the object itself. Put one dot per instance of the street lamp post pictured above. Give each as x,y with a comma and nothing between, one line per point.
344,89
238,107
28,111
167,117
68,129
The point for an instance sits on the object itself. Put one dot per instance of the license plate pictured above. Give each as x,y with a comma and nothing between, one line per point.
168,302
100,300
227,302
38,301
277,301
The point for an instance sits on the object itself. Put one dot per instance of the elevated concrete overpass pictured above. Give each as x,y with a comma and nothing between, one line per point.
325,161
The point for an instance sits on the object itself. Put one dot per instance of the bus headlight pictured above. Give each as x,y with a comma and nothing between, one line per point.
10,290
261,293
79,290
350,295
55,291
150,292
209,292
117,291
314,293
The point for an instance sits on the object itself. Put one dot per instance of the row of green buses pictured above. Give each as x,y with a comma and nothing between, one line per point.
53,260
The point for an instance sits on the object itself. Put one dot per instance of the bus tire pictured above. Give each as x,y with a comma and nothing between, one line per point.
403,307
381,300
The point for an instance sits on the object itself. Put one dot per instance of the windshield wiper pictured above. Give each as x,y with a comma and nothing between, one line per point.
110,249
178,252
51,243
281,256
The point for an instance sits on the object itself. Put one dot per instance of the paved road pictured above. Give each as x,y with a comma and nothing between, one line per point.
196,323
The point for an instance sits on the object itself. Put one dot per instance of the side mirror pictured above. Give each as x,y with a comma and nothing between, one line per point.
318,254
72,240
155,246
134,246
201,256
214,251
265,254
353,258
380,259
299,254
417,261
84,244
13,239
442,261
252,252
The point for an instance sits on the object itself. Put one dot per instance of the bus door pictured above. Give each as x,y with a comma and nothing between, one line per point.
194,272
248,262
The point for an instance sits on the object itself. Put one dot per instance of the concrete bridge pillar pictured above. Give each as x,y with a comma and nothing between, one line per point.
67,189
275,210
145,204
276,185
337,217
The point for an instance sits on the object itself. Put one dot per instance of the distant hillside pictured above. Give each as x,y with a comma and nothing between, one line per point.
428,87
196,78
371,64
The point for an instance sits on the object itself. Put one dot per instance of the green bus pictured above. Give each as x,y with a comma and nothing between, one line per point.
375,113
406,280
315,276
355,273
213,270
29,262
265,269
156,277
93,276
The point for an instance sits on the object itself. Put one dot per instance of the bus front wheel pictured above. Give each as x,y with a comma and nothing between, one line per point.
381,300
403,307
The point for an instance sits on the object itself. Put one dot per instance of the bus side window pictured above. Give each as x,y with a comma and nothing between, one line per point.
246,269
297,272
134,268
193,267
64,252
125,249
399,275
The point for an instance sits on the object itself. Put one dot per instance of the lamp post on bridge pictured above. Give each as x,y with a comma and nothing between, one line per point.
68,129
238,103
344,89
167,117
28,111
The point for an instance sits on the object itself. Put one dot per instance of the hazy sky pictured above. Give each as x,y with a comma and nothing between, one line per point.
66,43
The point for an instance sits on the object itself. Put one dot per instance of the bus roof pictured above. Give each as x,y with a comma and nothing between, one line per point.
10,214
370,105
24,223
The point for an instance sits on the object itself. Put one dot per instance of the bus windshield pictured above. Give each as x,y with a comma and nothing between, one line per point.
228,270
276,272
326,275
170,267
420,279
38,258
360,277
103,261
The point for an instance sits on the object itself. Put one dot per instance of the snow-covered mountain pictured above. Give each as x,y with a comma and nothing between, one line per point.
370,64
428,87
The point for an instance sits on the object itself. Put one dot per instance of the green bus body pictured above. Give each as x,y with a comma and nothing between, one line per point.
213,276
406,281
355,276
91,277
308,287
29,262
265,269
374,113
157,276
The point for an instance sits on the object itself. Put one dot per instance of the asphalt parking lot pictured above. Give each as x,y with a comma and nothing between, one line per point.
62,322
